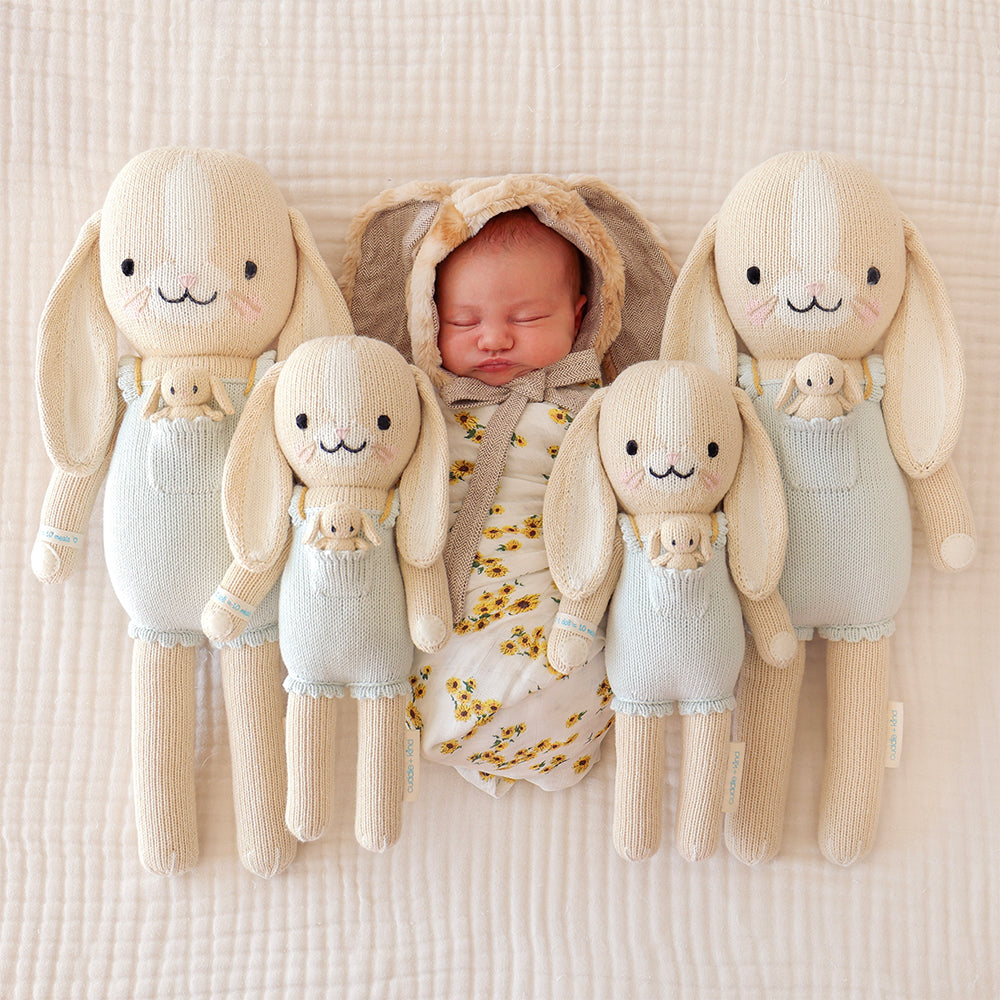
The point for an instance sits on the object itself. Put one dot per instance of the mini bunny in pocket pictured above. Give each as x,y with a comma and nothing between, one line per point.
362,433
201,266
808,260
660,450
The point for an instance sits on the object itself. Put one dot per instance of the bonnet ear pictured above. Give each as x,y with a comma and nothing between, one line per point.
580,508
698,327
318,309
640,277
422,526
257,482
381,247
756,511
925,370
77,361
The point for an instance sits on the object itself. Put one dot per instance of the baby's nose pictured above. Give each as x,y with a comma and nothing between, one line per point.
495,336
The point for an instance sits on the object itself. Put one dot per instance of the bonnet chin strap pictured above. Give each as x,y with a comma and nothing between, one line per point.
559,383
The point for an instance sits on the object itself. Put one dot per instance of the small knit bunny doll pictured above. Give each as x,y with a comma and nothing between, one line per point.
186,394
357,427
196,260
808,260
660,449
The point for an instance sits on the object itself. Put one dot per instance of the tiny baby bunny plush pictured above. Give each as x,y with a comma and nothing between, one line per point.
186,394
201,266
657,451
361,432
812,265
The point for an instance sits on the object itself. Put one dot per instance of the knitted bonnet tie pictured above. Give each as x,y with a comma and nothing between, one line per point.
557,384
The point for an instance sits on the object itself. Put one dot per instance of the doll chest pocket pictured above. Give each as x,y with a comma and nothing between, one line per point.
344,575
820,455
187,456
678,593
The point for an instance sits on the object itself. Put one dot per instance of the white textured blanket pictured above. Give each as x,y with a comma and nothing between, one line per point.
521,896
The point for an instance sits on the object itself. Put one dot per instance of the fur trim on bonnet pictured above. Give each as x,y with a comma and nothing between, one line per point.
397,241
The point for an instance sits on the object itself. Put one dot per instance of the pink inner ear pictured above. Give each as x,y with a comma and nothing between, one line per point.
868,312
248,306
760,312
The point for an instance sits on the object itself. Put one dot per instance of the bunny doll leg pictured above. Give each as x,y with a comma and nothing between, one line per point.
767,702
379,811
947,518
641,762
310,729
163,756
251,683
704,757
857,721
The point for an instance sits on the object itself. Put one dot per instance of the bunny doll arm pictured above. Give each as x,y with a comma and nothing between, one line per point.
428,604
228,611
944,510
573,630
771,628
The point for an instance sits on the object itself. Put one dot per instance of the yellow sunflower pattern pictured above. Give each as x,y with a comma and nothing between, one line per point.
489,703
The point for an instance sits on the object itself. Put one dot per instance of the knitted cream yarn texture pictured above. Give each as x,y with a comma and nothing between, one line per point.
669,445
201,266
854,366
358,543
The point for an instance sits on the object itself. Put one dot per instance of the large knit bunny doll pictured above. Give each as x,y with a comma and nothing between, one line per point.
361,431
491,704
200,264
809,255
642,471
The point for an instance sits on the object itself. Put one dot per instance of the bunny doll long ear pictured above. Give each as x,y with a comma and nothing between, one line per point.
422,527
755,508
318,309
77,348
579,513
257,482
925,371
698,327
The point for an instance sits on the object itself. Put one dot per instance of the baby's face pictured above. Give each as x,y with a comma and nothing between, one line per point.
505,311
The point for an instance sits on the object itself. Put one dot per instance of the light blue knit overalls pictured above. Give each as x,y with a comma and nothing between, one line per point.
675,636
164,537
847,563
343,614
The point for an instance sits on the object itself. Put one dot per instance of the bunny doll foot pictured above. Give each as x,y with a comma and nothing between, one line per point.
266,861
168,853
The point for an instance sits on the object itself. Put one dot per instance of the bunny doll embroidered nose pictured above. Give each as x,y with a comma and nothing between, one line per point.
814,288
188,281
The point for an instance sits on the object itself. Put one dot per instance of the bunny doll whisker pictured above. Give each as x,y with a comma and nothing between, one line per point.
137,302
868,312
760,312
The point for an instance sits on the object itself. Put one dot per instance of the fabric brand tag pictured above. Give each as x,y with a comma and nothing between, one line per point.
411,764
734,777
894,742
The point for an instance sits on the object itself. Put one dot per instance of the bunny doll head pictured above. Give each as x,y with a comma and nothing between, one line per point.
194,254
349,415
665,438
809,253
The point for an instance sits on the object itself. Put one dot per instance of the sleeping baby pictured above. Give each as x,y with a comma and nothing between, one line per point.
511,309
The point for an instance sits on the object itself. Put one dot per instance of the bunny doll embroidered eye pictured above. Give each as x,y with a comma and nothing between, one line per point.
128,267
384,422
302,421
753,275
631,448
713,449
249,269
874,274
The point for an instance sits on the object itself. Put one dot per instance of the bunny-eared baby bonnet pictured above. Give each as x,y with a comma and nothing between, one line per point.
477,714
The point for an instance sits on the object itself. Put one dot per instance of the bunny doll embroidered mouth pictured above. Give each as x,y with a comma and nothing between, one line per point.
815,305
343,444
672,471
188,296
